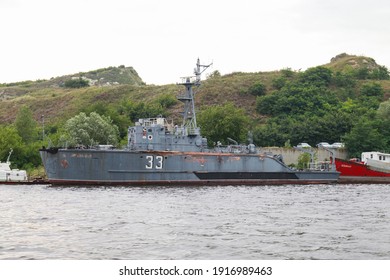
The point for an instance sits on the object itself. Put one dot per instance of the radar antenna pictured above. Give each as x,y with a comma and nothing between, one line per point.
198,71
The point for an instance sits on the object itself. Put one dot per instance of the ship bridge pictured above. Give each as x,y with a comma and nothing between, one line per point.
160,135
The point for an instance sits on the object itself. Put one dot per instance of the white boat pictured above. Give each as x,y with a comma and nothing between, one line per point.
377,161
11,175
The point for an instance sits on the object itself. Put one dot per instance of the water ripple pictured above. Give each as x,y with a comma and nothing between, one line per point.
241,222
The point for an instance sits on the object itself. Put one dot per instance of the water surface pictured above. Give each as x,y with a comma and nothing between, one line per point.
229,222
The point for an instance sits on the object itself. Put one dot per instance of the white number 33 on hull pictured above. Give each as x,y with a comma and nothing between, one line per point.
154,162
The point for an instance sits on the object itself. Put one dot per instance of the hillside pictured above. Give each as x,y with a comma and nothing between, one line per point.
114,84
363,67
111,76
344,62
102,77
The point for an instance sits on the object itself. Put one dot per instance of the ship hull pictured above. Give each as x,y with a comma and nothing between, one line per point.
124,167
356,169
358,173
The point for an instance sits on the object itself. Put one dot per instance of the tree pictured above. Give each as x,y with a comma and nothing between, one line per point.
91,130
384,110
303,161
268,104
380,73
257,89
279,82
343,79
166,100
318,76
361,73
215,74
271,134
222,122
26,125
10,139
287,73
108,110
371,94
372,89
366,135
296,99
138,110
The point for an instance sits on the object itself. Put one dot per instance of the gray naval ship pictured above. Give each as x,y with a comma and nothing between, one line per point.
160,153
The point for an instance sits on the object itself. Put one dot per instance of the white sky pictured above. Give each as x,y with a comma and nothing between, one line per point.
162,39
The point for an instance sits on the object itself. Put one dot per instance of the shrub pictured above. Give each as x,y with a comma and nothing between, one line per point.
76,83
303,161
257,89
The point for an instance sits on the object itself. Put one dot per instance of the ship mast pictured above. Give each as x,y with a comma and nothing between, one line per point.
189,114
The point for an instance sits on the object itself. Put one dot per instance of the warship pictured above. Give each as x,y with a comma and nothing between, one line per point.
161,153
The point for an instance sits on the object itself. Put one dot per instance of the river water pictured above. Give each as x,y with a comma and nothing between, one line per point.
195,223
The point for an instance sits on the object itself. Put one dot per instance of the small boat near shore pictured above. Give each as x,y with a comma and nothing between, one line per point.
8,175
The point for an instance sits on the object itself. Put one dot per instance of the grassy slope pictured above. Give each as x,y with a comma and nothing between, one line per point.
58,104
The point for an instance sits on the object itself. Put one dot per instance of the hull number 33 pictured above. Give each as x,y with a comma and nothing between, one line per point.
154,162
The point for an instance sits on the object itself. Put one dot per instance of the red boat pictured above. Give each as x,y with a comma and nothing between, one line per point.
357,168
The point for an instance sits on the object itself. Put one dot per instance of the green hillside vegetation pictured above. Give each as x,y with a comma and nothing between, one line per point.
343,101
100,77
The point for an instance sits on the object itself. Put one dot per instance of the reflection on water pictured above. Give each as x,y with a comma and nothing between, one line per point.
264,222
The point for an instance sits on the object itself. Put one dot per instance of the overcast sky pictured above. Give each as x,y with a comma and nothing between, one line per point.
162,39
